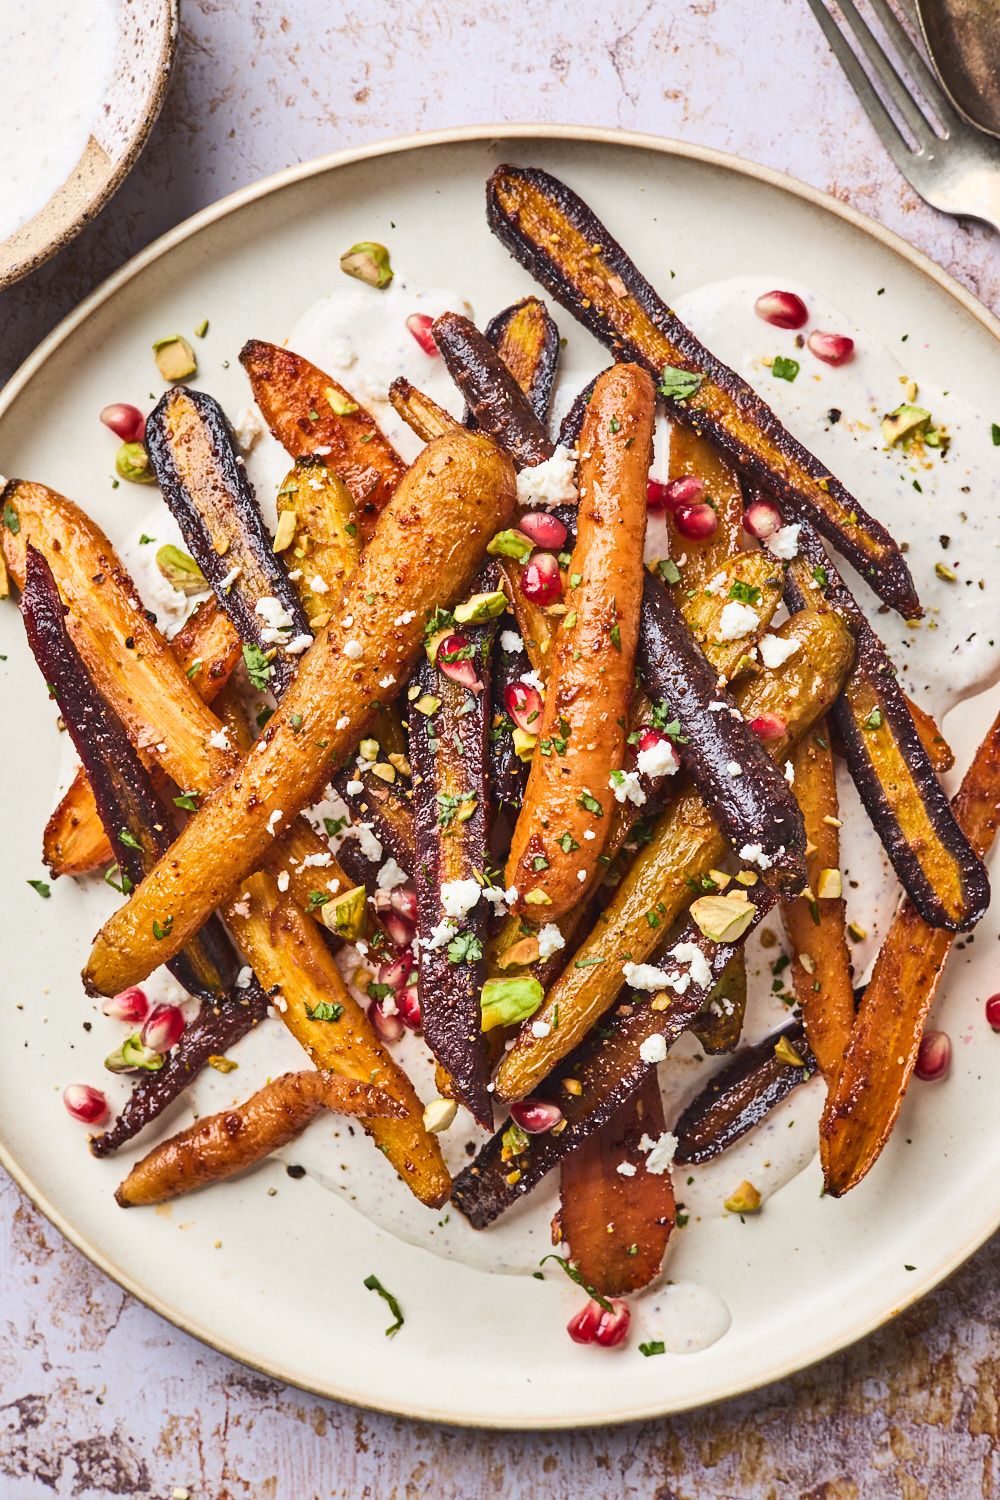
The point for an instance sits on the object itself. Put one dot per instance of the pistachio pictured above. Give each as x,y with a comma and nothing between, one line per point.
175,358
719,878
786,1053
829,885
133,1055
222,1064
384,772
513,1142
340,402
524,744
943,571
506,1002
439,1114
748,877
523,952
401,764
856,931
481,607
721,919
511,544
433,646
285,533
368,749
180,571
808,962
537,898
347,914
905,424
573,1086
745,1200
368,262
132,462
427,704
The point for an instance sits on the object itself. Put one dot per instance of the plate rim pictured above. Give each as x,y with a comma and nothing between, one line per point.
156,250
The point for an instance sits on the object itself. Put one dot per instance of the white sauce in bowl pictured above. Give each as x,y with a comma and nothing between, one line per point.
56,63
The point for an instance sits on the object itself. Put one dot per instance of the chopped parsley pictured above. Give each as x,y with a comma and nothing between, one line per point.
437,620
745,593
660,719
296,722
590,804
129,839
259,669
614,425
265,714
465,949
374,1285
162,932
784,369
821,576
567,843
334,825
42,889
325,1011
193,668
126,886
678,385
461,807
995,434
669,571
317,898
187,801
616,638
574,1275
144,540
655,1346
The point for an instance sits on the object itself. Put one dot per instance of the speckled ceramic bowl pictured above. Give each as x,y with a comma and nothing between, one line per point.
147,42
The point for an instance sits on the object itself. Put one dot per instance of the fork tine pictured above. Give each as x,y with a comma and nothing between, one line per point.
916,66
894,85
893,141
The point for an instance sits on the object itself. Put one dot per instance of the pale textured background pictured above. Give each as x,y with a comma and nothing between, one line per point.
97,1395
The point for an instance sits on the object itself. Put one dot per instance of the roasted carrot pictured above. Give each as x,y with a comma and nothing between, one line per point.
581,735
494,397
882,1053
699,559
221,1145
527,340
323,544
429,544
939,752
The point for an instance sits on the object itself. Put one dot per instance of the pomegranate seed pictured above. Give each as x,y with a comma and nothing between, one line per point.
125,421
540,581
762,519
782,309
131,1005
536,1116
688,490
543,530
163,1028
385,1025
934,1056
656,495
399,929
993,1011
768,726
396,974
408,1005
831,348
696,521
420,326
524,704
404,900
595,1325
461,671
85,1104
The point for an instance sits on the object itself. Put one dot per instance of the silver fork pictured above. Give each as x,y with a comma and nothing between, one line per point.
958,171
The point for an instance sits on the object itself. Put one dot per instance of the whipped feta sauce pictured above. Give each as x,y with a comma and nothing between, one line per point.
359,335
56,62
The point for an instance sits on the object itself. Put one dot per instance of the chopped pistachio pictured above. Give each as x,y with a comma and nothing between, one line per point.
736,894
946,573
180,571
347,914
481,607
829,885
341,405
831,821
132,462
573,1086
368,261
401,764
384,772
506,1002
175,358
719,878
511,544
524,744
745,1200
427,704
285,533
721,919
808,962
523,952
368,749
439,1115
200,333
856,931
222,1064
747,877
412,693
786,1053
537,898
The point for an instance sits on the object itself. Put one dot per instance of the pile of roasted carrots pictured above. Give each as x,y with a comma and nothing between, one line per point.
565,875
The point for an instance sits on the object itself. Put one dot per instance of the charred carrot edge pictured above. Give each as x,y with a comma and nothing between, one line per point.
720,1025
556,237
390,816
742,1095
527,340
939,752
419,411
204,482
136,819
617,1225
882,1053
451,818
294,399
816,925
492,393
754,808
936,864
218,1146
508,772
595,1080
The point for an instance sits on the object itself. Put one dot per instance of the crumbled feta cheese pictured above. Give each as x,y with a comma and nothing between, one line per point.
248,428
653,1049
661,1152
295,575
319,860
496,897
459,896
342,722
540,1028
220,740
242,908
273,613
511,641
625,1169
354,788
389,1006
645,976
716,708
550,483
441,934
659,759
718,582
319,584
348,621
627,787
550,940
784,543
734,768
390,876
789,773
352,650
299,644
386,681
369,844
700,970
274,820
533,680
283,878
774,651
333,886
230,577
754,855
581,876
737,620
589,833
403,619
244,977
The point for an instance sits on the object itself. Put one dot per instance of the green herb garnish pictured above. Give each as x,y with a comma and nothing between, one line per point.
574,1275
129,840
325,1011
187,801
162,932
259,669
678,385
784,369
746,593
668,570
374,1285
655,1346
465,949
590,804
42,889
317,899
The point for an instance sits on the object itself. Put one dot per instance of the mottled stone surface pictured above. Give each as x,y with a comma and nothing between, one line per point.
98,1395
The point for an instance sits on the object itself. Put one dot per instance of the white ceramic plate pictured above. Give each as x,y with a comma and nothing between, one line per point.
283,1292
